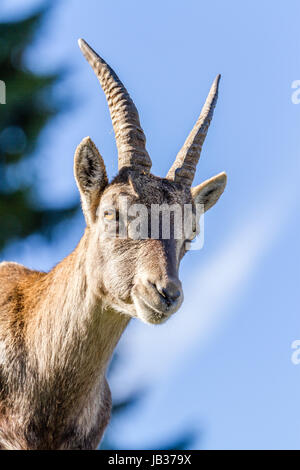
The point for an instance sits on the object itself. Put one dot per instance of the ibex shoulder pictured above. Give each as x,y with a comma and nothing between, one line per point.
10,266
14,271
15,281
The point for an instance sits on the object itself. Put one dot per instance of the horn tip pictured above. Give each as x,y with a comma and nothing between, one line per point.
91,56
81,43
215,85
84,47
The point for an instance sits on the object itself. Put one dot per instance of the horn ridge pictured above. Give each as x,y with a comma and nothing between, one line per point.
184,168
130,137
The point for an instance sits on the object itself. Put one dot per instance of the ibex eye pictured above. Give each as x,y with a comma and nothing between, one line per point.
109,215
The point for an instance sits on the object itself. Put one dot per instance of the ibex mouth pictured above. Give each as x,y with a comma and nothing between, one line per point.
153,306
148,313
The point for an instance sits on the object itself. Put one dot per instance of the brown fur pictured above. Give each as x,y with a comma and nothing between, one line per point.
53,358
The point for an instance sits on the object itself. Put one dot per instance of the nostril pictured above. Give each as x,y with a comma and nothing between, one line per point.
171,293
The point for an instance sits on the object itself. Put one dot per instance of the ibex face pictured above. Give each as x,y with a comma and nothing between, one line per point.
138,275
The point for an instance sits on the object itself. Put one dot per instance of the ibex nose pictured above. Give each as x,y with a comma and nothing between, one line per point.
171,292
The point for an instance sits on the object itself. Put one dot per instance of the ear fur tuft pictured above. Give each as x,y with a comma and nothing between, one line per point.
90,175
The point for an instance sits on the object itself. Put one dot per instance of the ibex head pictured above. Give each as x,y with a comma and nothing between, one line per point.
138,276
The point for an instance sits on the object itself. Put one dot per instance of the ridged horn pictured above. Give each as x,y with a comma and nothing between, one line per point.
184,168
130,138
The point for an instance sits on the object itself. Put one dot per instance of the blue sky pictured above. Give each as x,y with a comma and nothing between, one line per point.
223,363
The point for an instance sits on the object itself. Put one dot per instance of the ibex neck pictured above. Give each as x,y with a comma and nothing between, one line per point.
70,331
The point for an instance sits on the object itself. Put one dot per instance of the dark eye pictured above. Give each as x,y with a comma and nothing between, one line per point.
110,214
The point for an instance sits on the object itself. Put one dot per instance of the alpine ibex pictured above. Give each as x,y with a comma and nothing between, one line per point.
58,330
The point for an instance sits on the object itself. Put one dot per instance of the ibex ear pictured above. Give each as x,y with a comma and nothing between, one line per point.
91,178
208,193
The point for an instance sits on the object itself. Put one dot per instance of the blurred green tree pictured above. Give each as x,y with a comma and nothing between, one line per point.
29,107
